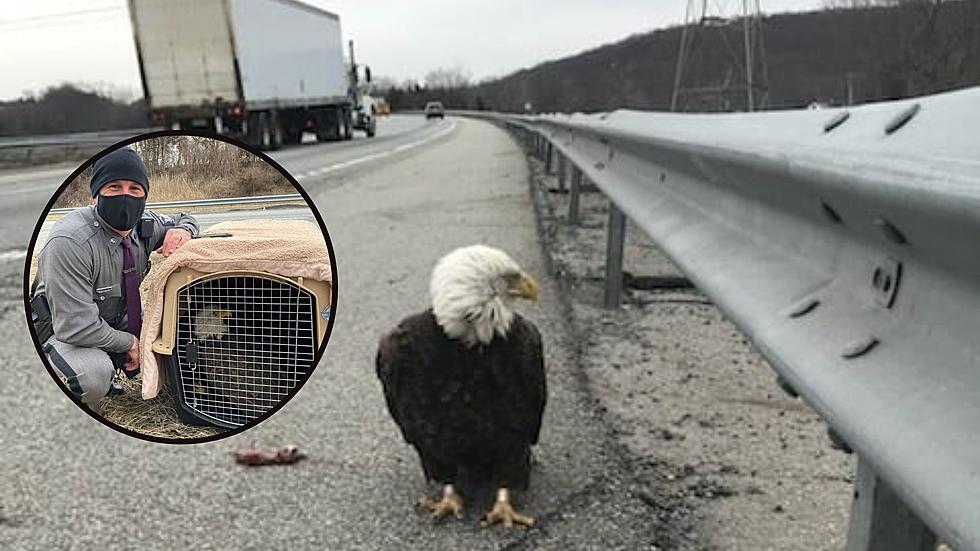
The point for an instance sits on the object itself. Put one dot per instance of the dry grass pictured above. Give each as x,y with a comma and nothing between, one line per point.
156,417
181,184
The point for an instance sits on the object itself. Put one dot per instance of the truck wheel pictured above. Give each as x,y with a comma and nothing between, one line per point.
253,129
325,129
293,136
347,124
265,132
275,131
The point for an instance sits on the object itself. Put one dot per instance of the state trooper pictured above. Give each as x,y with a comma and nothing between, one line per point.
85,300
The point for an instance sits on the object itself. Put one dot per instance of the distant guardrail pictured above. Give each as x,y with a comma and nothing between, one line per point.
287,198
18,150
107,137
843,243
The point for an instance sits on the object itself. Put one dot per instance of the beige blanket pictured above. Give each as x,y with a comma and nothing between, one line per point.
290,248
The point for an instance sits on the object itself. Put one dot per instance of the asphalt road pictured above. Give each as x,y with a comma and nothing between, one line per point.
66,481
25,192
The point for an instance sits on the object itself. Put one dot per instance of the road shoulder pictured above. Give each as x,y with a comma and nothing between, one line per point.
711,440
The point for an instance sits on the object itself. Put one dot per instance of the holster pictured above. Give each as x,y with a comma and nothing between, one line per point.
41,318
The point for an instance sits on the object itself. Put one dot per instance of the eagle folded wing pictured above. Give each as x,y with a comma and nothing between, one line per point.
532,369
400,370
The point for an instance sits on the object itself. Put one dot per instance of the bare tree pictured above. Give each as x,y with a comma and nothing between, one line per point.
68,108
382,84
447,78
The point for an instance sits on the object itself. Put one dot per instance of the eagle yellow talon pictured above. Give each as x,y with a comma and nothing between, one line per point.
504,513
450,504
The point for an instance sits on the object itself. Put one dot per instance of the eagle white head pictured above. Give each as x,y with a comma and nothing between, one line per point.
472,290
210,323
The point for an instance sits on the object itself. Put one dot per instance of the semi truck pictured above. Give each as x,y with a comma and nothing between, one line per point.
262,71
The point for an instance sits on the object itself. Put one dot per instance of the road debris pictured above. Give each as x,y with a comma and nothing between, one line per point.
254,456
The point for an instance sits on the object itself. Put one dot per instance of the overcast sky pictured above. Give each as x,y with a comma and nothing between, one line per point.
51,41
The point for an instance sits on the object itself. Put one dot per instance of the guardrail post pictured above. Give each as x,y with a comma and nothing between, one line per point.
615,240
561,171
573,196
548,150
880,521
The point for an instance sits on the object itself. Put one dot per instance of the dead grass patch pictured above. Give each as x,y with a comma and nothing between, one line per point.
188,168
156,417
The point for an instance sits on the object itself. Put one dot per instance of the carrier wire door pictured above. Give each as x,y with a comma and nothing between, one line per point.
242,343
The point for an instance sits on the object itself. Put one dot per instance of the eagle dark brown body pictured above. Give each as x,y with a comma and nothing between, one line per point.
472,413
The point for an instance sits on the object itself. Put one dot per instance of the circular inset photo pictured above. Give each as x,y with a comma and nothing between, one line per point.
180,287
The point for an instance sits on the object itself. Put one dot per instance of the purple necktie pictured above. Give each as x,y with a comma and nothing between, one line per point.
134,311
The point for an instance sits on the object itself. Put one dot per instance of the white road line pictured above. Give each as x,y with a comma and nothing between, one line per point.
15,176
9,256
375,156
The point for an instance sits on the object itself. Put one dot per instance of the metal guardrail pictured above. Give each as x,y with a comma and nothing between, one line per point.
107,137
844,244
288,198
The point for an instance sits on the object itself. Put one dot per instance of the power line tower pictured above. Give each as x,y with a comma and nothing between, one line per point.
721,62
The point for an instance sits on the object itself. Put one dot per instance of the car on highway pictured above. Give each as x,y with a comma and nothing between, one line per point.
434,109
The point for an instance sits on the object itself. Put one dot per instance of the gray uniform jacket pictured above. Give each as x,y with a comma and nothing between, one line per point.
80,272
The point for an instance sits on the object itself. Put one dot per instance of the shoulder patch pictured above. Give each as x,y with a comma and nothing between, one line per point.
164,219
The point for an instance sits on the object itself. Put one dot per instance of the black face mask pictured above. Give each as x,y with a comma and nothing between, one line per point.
122,212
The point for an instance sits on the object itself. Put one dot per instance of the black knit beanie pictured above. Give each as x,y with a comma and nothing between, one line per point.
121,164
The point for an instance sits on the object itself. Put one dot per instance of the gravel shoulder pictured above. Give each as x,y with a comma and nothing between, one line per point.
717,444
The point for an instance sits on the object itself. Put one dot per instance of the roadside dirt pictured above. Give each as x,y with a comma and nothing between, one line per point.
722,456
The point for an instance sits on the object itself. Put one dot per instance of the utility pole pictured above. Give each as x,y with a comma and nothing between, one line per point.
709,37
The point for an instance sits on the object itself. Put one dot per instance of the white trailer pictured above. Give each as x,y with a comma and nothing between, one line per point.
263,71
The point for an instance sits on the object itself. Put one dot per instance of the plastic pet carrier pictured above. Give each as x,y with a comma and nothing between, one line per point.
235,344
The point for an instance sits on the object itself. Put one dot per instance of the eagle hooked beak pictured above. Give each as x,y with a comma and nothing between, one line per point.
526,288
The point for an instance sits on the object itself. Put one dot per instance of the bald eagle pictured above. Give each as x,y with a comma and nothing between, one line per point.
210,323
465,382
